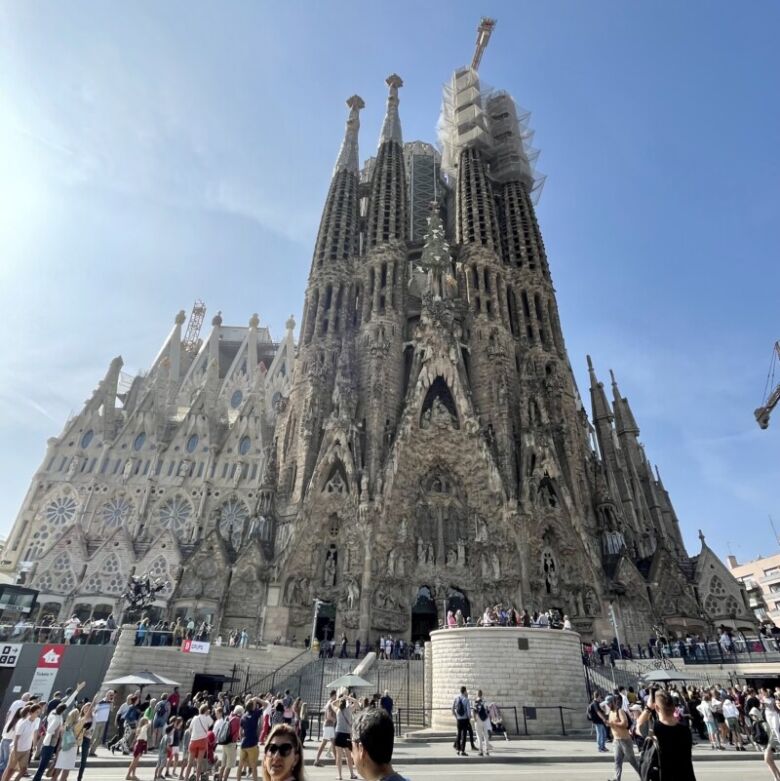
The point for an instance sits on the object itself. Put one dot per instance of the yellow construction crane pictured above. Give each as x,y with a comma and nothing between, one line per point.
771,391
483,36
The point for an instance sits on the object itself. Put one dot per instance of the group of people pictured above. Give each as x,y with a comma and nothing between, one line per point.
208,736
503,615
668,720
58,732
72,631
486,718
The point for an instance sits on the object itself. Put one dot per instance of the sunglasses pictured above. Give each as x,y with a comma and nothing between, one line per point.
284,749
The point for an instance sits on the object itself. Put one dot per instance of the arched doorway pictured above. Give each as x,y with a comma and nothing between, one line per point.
425,617
325,627
456,600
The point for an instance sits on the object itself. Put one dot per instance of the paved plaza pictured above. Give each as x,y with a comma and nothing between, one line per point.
553,759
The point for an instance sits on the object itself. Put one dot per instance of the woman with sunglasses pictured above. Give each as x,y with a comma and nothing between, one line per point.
283,758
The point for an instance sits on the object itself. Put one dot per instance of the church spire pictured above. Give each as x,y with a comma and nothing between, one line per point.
625,422
391,127
348,154
387,202
337,239
598,398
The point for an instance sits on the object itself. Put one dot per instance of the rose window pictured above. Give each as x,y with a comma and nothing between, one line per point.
61,511
232,517
175,515
116,512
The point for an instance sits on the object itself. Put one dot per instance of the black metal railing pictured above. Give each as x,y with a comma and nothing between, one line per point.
406,718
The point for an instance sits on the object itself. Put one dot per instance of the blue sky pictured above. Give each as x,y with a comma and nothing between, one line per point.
154,153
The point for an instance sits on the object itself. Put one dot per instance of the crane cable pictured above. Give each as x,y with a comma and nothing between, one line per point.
770,377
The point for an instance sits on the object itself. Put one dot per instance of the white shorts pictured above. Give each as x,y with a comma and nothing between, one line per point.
328,732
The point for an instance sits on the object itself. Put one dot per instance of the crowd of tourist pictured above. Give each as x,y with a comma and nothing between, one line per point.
736,717
200,736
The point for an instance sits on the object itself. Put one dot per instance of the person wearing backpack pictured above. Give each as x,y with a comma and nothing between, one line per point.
482,724
66,759
666,755
596,717
228,737
461,710
162,711
619,723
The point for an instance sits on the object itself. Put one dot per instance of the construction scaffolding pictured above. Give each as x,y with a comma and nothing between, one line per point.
191,342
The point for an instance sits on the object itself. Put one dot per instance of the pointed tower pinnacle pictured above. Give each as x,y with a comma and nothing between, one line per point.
391,127
624,417
348,155
601,409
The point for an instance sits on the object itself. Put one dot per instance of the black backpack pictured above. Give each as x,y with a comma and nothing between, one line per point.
482,711
650,760
460,708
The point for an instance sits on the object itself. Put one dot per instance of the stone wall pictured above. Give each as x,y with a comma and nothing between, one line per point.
173,663
538,668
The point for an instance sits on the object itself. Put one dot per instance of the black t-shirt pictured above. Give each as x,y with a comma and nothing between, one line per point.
750,703
674,745
249,723
594,711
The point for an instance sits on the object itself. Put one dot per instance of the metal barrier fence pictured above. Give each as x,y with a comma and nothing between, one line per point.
530,711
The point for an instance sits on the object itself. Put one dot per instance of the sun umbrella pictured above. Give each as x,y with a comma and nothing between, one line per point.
144,678
350,681
663,676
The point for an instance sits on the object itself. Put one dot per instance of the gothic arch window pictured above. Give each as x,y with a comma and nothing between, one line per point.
62,571
233,515
439,405
159,570
116,512
732,606
175,515
716,587
45,582
711,605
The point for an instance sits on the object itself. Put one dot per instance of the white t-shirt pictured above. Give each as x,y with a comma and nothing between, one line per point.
24,732
705,710
53,723
730,710
217,725
199,728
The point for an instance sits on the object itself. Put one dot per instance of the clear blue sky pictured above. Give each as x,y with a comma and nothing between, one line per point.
152,153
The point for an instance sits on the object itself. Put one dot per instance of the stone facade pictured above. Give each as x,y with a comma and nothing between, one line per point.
512,667
423,447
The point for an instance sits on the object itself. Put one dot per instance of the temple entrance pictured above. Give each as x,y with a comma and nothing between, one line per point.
425,617
457,601
326,622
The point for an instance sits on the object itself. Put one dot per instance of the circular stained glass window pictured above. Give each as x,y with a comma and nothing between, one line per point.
175,515
87,438
192,443
61,511
244,445
116,512
233,515
236,399
138,442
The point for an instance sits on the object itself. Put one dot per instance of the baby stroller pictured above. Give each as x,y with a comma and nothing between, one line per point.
496,721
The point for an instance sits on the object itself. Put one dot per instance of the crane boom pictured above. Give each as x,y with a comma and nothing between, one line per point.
484,31
762,413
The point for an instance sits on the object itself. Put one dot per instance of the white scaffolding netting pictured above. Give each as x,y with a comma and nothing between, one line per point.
475,115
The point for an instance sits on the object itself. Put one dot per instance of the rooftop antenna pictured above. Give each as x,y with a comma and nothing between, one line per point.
484,32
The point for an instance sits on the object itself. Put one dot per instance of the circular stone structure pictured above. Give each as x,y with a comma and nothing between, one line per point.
539,669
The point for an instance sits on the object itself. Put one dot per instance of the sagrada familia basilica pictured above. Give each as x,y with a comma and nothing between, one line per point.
422,447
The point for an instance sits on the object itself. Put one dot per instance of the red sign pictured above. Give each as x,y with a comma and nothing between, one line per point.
50,656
